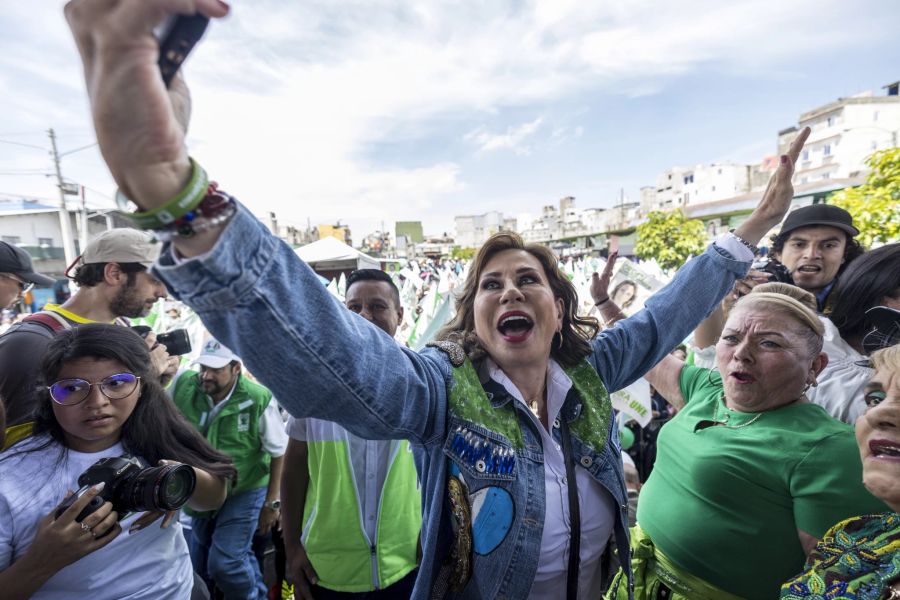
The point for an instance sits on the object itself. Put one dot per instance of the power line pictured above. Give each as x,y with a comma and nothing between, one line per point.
23,145
77,149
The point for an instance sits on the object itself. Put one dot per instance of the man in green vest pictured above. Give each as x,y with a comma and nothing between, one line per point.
352,509
241,418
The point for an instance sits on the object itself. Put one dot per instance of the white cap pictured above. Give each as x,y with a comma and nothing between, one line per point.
215,355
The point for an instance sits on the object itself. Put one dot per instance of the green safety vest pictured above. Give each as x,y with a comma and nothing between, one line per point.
334,536
235,428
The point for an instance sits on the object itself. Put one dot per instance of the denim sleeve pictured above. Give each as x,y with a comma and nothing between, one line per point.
627,351
319,359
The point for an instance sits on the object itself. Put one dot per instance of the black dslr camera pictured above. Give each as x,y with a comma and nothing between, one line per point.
132,488
177,342
775,270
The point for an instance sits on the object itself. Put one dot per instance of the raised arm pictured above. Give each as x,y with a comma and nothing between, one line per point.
636,344
249,288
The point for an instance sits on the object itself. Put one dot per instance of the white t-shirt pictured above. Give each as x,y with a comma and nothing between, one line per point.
596,505
151,564
841,383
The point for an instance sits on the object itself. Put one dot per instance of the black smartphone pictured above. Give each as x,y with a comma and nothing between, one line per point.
177,37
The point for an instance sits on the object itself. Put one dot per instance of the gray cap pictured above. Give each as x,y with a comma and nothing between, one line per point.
15,260
122,246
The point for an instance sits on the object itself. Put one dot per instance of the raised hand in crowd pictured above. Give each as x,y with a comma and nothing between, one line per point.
600,292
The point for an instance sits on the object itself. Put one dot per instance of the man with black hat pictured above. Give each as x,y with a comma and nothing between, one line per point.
816,244
17,275
114,284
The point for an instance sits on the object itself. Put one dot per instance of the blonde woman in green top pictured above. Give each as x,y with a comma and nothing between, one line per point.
749,475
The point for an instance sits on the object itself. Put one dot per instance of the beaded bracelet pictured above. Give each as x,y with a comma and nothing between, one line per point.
175,209
751,247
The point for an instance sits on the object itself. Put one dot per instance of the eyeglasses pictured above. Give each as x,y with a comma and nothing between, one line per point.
69,392
25,286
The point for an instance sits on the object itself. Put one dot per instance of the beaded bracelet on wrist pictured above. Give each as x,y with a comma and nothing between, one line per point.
751,247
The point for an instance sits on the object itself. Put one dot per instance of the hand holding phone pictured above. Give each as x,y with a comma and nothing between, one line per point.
177,37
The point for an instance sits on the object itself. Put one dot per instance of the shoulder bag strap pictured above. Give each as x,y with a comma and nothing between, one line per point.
574,511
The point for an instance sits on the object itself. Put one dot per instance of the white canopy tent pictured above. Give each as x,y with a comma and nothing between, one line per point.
330,255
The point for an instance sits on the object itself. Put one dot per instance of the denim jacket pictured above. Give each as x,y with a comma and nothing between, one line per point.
321,360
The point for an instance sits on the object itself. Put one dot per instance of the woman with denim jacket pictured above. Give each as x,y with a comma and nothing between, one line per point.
509,416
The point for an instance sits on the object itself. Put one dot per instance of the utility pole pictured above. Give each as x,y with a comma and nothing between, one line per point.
83,237
64,222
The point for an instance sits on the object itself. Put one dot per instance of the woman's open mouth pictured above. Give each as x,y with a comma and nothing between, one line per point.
742,378
515,326
885,450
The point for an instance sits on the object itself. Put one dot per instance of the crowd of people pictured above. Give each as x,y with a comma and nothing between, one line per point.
480,458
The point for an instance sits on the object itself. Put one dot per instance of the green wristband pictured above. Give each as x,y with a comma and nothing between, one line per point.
184,202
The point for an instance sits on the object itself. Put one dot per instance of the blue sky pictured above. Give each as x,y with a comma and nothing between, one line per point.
380,110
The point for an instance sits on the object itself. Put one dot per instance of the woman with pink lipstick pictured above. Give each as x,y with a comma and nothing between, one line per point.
859,558
749,475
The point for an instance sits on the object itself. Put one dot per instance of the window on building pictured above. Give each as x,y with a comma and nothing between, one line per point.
826,150
830,121
874,146
48,242
875,116
713,188
11,239
805,155
689,178
826,175
804,179
687,197
720,171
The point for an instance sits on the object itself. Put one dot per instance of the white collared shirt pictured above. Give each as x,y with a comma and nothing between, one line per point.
596,505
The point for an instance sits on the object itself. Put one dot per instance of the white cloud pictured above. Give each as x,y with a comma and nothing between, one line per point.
514,138
289,98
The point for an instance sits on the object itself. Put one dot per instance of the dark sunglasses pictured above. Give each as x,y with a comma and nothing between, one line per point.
69,392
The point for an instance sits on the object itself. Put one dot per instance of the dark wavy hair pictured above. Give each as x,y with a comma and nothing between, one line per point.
577,332
156,428
863,285
92,274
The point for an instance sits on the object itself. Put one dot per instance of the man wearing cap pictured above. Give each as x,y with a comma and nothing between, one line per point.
17,277
114,284
241,418
816,243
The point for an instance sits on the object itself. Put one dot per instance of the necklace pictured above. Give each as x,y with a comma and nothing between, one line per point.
723,424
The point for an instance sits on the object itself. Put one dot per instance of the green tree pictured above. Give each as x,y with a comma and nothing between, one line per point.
462,253
875,205
670,238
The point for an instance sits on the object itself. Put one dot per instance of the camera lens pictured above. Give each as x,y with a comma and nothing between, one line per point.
161,488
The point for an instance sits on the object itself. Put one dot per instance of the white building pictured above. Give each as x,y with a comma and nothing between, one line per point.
844,133
473,230
36,228
682,186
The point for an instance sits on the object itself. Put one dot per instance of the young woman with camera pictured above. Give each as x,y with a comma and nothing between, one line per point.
99,400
